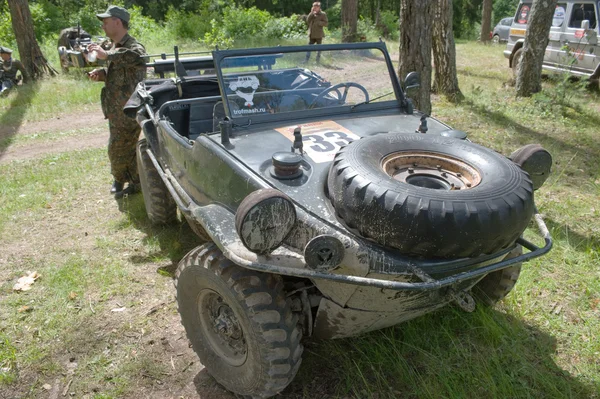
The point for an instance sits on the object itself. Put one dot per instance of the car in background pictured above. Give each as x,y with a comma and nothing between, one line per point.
501,30
573,39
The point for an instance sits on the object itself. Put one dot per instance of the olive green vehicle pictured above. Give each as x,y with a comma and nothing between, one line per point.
329,206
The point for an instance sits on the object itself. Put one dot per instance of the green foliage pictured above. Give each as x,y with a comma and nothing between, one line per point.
146,29
503,8
188,25
46,18
334,16
241,23
7,37
388,25
216,36
292,27
466,18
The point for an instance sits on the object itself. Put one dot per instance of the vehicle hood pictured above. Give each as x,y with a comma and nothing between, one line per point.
321,141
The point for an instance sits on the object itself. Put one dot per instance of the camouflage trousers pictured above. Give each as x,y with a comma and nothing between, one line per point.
124,135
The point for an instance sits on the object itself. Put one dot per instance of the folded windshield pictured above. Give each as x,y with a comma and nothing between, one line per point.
295,81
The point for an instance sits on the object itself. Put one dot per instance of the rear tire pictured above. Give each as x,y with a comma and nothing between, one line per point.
160,206
496,286
515,62
496,39
239,322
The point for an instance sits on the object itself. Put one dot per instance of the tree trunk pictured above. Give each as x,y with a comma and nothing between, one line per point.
486,21
30,54
416,20
529,70
444,52
349,20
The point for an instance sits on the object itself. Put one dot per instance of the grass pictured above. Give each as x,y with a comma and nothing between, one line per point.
102,313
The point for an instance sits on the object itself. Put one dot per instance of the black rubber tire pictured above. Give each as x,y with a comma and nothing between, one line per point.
253,303
160,206
430,222
515,62
495,286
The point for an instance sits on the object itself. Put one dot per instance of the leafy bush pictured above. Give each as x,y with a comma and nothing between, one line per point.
47,18
241,23
292,27
237,23
7,37
388,25
145,29
334,16
187,25
216,36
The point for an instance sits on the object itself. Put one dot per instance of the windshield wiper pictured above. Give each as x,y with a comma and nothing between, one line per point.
373,99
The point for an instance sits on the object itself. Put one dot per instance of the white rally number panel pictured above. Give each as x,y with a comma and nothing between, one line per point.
322,140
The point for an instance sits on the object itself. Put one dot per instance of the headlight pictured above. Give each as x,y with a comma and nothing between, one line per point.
264,219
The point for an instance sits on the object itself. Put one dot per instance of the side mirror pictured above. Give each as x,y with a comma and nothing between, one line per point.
412,81
585,24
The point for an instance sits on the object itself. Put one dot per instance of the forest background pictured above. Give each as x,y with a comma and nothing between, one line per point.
159,25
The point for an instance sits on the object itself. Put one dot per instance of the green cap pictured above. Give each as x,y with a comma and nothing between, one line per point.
115,11
5,50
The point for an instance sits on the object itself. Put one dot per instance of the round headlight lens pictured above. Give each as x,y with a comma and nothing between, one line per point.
263,220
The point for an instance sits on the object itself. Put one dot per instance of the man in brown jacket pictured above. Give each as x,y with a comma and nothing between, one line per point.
126,67
316,21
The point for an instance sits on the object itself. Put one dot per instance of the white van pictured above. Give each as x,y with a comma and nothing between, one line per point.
573,45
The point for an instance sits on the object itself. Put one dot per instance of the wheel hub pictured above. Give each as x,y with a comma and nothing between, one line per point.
431,170
221,328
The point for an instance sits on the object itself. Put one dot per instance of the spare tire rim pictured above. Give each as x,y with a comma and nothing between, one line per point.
431,170
221,328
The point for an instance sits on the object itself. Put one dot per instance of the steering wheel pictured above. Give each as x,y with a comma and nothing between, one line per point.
341,96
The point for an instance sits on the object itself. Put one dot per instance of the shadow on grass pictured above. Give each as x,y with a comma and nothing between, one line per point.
577,241
444,354
575,144
12,118
174,240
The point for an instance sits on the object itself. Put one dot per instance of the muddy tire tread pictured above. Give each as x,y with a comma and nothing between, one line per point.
281,358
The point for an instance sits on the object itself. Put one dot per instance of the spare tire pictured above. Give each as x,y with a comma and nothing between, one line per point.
430,196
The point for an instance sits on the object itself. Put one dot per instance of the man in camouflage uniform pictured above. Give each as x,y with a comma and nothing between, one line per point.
125,68
8,71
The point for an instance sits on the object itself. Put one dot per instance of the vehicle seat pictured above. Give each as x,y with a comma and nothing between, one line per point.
577,18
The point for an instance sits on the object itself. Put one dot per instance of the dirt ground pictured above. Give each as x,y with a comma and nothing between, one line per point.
48,128
150,328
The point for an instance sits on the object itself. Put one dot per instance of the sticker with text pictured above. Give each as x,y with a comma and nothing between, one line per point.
321,140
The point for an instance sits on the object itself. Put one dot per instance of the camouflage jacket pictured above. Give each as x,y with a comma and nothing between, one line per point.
8,71
126,67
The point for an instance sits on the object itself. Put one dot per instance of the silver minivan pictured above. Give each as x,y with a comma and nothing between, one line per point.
573,45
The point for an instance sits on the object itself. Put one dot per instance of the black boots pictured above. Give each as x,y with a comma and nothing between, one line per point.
116,187
119,192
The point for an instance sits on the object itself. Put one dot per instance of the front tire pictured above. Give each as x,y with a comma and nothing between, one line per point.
160,206
497,285
239,322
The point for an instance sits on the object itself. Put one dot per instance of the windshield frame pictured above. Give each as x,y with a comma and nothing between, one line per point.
398,97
